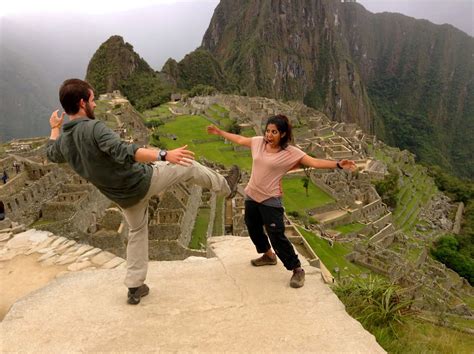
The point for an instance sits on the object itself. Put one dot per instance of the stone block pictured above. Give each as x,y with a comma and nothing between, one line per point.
102,258
5,236
83,249
89,254
46,256
113,263
5,224
79,266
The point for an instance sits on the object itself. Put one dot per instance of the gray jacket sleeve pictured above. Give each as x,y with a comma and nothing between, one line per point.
109,143
53,153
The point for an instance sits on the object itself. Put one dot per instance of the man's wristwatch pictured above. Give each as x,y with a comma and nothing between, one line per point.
162,155
339,165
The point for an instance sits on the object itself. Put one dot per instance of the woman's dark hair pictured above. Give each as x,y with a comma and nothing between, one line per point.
284,126
71,93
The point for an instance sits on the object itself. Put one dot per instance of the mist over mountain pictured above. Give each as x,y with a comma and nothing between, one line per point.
369,68
39,52
459,13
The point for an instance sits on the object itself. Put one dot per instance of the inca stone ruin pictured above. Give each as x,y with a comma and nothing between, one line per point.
51,198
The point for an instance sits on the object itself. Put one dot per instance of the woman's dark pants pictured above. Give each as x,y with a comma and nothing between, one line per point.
258,216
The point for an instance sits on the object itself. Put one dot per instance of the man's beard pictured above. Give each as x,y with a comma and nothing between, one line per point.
89,111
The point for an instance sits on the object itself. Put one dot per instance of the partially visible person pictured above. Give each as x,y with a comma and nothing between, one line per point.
5,177
272,158
16,166
2,211
125,173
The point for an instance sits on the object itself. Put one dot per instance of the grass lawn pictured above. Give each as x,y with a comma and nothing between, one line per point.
41,222
248,132
157,112
220,115
332,256
417,336
200,229
346,229
295,199
191,130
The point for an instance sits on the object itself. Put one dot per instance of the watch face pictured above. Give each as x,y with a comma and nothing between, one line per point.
163,155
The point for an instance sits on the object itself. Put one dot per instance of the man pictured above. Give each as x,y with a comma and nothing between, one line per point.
120,171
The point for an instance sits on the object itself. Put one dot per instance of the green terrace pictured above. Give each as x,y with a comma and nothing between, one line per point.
332,256
349,228
295,198
416,191
161,112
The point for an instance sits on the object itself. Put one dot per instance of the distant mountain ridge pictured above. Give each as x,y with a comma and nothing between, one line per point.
409,81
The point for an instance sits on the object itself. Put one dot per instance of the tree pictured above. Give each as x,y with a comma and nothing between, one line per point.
306,184
307,172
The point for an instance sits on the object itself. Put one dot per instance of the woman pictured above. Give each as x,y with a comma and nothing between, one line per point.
272,158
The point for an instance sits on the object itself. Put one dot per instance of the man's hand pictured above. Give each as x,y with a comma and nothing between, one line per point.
180,156
348,165
55,121
212,129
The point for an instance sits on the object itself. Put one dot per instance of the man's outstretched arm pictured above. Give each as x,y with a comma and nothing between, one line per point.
180,156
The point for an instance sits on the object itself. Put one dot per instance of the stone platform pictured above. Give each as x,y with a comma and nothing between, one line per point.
221,304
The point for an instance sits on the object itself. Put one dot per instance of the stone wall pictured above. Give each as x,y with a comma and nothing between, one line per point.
24,204
75,217
171,228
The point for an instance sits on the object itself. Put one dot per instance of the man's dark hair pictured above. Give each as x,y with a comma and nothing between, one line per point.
71,93
284,126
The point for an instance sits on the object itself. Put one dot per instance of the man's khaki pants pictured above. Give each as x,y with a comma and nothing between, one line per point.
164,176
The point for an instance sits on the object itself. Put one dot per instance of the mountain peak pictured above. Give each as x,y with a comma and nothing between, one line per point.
112,63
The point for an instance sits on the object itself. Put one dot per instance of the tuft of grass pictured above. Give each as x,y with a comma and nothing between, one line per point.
199,235
375,302
219,218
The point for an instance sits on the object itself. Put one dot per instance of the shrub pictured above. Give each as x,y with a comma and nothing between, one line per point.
446,250
202,90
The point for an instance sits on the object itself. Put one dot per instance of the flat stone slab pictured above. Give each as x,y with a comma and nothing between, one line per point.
220,304
28,238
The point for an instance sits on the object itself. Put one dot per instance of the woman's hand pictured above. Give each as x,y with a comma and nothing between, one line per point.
212,129
348,165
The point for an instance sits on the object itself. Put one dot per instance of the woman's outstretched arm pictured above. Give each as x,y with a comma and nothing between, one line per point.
317,163
235,138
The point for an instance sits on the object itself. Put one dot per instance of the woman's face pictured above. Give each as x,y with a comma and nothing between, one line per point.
273,135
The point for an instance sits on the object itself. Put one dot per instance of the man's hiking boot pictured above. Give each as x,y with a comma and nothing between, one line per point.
233,179
297,279
263,261
135,294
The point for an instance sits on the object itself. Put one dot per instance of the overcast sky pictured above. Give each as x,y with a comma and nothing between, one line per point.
92,7
459,13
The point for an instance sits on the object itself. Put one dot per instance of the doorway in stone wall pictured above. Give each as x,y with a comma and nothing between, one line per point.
2,211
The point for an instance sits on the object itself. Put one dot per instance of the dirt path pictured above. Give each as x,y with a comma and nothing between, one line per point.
22,275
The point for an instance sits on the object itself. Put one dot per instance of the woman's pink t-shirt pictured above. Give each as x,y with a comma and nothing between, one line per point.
268,169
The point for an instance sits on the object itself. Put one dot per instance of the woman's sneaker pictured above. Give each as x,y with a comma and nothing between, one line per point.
135,294
263,261
297,279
